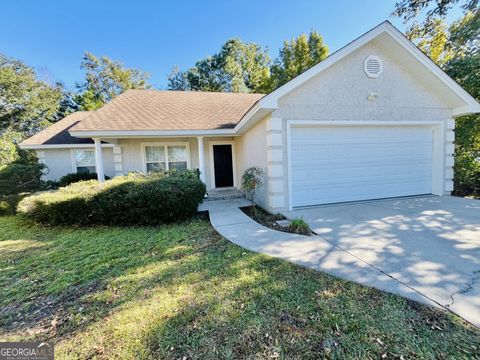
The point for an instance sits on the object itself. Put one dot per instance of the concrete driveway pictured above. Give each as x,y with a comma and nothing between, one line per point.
430,244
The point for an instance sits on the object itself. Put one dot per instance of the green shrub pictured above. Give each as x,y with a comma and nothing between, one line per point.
298,225
135,199
5,208
76,177
467,176
8,204
252,179
17,178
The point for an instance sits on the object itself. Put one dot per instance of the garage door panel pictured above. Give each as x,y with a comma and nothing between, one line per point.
373,151
365,179
335,164
328,170
339,196
328,145
313,163
355,192
368,153
364,134
314,179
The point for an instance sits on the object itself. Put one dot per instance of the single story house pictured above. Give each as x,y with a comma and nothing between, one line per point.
374,120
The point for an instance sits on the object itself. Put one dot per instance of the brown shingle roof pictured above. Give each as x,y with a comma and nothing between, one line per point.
169,110
57,134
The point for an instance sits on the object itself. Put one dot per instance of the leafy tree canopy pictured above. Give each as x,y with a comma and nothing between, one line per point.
237,67
246,67
457,50
296,56
410,9
464,67
105,79
26,103
433,40
8,147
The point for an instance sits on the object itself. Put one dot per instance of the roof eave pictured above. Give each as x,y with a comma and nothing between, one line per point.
466,110
150,133
59,146
256,113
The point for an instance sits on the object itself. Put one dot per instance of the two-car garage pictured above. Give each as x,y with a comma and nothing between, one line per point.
340,162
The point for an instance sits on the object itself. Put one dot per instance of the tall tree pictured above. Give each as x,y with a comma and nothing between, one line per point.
457,50
433,40
296,56
105,79
26,103
465,69
410,9
177,80
237,67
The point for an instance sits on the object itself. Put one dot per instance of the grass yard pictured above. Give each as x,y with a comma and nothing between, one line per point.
183,292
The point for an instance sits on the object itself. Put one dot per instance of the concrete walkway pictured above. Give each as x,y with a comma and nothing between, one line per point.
310,251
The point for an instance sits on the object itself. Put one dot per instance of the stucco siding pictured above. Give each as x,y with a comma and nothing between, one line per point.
252,151
340,93
59,162
133,159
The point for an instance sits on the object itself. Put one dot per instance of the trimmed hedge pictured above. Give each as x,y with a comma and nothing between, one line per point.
76,177
128,200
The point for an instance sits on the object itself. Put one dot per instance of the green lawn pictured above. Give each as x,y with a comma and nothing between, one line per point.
183,292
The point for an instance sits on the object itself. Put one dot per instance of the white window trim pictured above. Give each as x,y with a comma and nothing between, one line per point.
212,166
165,144
438,128
74,158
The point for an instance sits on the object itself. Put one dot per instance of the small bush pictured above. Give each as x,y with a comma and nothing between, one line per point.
17,178
299,226
5,208
8,204
76,177
135,199
252,179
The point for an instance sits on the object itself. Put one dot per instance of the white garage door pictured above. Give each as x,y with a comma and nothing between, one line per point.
338,164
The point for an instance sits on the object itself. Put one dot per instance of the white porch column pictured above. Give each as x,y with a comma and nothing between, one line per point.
99,160
201,158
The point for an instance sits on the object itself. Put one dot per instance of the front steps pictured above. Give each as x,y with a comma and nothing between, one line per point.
224,194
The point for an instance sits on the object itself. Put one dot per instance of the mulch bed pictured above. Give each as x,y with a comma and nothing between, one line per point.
267,219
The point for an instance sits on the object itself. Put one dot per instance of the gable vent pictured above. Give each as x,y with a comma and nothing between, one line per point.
373,66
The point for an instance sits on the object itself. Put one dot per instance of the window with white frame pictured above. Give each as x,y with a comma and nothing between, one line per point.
85,161
166,157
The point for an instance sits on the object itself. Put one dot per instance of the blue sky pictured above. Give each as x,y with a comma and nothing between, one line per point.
156,35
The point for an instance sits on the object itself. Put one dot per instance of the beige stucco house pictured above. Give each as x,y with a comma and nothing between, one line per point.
374,120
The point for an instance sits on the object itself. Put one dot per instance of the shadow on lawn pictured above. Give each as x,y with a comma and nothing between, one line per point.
57,279
290,312
205,298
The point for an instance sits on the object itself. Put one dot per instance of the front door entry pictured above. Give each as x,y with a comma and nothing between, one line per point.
223,165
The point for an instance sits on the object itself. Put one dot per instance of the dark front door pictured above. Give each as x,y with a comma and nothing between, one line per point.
223,165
